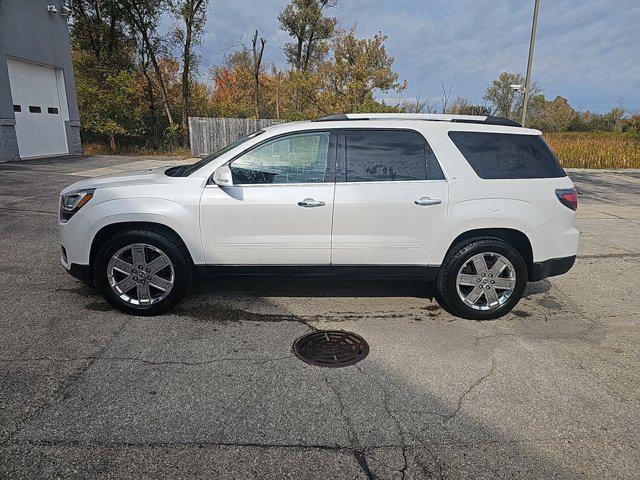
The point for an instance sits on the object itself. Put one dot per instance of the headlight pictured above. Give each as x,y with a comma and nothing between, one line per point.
71,202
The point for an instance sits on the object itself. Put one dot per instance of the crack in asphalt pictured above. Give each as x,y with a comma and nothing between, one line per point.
387,408
120,444
435,461
610,255
616,438
28,210
471,388
59,392
142,360
439,473
356,449
621,218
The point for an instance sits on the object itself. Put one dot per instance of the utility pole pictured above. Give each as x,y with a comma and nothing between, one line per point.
532,42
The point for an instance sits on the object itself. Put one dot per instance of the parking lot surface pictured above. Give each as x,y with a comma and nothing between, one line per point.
212,390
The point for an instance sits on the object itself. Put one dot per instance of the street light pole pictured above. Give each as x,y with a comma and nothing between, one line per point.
527,84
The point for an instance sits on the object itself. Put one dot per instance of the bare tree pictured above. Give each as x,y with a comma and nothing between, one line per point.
416,105
257,61
278,77
462,106
142,17
193,14
150,96
446,95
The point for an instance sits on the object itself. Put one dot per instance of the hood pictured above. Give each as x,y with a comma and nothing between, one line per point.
123,179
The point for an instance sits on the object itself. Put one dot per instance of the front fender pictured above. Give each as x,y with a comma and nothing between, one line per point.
182,219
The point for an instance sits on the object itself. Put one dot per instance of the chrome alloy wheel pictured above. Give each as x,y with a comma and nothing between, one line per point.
140,274
486,281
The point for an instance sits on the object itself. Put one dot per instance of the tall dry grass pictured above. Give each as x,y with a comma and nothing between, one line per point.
102,149
595,149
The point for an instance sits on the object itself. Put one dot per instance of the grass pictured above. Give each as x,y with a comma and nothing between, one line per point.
102,149
595,149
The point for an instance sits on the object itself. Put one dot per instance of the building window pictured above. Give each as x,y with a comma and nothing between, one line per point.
52,110
17,108
34,109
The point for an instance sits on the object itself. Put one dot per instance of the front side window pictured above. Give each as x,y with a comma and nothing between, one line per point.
188,170
389,155
507,155
299,158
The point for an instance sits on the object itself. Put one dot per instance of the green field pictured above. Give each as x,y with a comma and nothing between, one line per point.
596,149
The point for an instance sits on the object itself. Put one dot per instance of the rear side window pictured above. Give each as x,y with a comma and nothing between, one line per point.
504,155
389,156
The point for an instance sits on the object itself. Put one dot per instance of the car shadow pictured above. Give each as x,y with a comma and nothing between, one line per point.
320,286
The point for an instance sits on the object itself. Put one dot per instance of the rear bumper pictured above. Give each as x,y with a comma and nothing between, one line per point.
551,268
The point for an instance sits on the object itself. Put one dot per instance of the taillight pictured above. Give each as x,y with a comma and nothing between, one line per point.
568,197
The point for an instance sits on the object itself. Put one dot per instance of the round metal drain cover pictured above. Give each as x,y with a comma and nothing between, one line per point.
331,348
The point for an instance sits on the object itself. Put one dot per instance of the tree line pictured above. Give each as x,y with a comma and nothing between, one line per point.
556,115
137,85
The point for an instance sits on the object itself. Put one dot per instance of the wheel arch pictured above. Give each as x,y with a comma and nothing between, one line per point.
111,229
518,239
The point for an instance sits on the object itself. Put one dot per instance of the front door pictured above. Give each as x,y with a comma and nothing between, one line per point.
279,210
391,199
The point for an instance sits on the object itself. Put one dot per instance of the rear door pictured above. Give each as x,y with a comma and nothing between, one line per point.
279,209
390,201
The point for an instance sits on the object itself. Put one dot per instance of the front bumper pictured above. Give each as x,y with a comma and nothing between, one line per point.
75,243
81,272
550,268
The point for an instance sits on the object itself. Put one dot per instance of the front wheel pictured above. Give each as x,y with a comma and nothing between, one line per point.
482,279
142,272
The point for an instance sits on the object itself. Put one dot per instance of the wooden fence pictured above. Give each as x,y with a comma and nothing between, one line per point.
207,135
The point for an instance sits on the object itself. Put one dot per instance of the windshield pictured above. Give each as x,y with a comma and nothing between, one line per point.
187,170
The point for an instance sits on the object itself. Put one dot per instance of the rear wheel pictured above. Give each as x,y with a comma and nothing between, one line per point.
481,279
142,272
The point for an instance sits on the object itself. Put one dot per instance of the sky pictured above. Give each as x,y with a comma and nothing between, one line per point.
586,50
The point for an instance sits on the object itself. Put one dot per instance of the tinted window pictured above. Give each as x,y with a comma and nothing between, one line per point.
34,109
300,158
503,155
17,108
52,110
389,155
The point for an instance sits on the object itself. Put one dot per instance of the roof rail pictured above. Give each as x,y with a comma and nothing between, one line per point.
487,120
491,120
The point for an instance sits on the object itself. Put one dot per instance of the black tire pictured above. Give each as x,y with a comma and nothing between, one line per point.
169,246
446,290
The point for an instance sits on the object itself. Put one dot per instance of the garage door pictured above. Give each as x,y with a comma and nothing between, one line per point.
37,107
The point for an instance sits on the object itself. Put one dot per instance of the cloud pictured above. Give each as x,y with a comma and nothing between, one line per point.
586,50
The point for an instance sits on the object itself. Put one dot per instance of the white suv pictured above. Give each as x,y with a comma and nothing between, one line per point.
479,205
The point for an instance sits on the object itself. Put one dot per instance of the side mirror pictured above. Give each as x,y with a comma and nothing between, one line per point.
222,176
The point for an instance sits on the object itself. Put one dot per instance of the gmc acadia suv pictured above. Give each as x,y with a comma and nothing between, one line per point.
478,205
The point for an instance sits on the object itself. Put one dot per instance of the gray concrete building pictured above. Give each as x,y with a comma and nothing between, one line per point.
38,105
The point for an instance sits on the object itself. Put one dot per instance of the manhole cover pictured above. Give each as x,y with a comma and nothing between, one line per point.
331,348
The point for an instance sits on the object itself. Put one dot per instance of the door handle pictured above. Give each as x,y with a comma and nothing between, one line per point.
426,201
310,202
